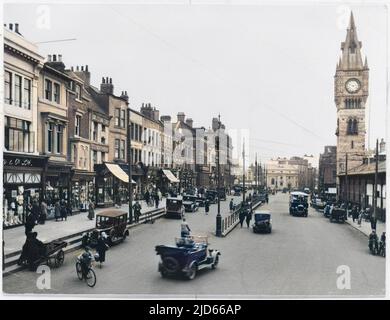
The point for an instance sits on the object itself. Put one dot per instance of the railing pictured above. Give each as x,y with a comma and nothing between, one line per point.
230,222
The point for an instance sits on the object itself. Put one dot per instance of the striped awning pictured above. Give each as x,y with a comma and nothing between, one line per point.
118,172
171,176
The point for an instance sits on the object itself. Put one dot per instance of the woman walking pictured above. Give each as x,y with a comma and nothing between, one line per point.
57,210
91,210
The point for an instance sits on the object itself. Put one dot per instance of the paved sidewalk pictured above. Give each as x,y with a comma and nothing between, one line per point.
14,238
366,226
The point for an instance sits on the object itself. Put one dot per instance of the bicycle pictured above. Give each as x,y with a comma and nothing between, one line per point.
84,268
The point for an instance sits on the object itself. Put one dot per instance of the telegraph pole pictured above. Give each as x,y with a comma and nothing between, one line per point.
376,184
243,172
218,231
130,186
346,181
256,174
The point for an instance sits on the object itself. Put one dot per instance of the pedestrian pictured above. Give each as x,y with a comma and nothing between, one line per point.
231,205
101,248
248,218
185,229
30,223
35,210
57,210
156,199
43,215
372,219
91,210
360,218
64,211
354,213
137,211
242,215
207,206
147,197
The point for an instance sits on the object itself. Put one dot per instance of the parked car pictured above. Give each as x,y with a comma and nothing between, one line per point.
222,194
113,223
338,214
263,222
190,255
189,203
174,208
298,204
212,196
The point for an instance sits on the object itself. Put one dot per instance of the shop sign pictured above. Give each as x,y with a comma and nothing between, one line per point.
18,161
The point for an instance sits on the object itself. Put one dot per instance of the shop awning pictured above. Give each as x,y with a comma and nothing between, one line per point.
171,176
118,172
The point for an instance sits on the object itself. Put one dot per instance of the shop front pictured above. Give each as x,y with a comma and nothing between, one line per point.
111,185
82,190
23,181
169,182
57,186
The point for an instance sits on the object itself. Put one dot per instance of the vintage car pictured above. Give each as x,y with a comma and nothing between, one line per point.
187,257
201,200
113,223
212,196
263,222
338,214
190,204
222,194
174,208
298,204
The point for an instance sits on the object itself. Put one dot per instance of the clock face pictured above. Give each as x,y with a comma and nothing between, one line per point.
352,85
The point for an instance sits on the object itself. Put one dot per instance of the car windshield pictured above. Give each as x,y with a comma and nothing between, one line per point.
262,216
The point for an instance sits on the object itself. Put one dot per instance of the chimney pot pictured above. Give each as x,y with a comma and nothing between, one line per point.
49,58
71,68
82,68
102,79
17,28
86,68
106,79
110,80
54,58
77,68
60,57
11,26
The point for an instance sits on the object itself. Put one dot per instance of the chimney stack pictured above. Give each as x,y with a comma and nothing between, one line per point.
106,86
55,61
165,118
125,96
181,117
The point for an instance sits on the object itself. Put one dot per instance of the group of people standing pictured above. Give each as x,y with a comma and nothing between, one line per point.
153,197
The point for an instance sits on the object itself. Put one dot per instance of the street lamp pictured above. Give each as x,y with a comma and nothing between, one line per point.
130,186
218,231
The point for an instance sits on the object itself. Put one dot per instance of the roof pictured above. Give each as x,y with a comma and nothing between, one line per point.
368,168
262,212
111,213
299,193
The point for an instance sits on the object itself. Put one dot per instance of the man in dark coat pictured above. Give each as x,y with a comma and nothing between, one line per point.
147,197
101,248
231,205
64,211
35,210
137,211
248,217
156,199
207,206
30,223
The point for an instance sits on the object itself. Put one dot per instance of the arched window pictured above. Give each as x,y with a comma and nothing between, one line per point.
272,181
350,126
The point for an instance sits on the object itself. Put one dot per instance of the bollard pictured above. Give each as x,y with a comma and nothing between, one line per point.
219,227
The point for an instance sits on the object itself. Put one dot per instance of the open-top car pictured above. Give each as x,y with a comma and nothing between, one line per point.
298,203
263,222
187,257
113,223
190,204
174,208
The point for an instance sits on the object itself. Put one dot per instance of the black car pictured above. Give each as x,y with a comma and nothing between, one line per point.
338,214
201,201
222,194
212,196
298,204
174,208
190,204
263,222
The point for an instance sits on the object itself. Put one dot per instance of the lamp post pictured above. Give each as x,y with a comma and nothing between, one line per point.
218,231
243,173
130,186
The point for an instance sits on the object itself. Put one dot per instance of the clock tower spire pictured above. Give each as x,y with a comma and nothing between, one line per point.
351,92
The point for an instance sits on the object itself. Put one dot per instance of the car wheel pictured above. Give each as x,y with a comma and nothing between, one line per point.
171,264
191,274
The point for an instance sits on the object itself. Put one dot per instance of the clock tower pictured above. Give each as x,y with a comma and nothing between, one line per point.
351,92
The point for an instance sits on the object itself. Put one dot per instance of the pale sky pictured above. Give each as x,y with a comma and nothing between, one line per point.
267,69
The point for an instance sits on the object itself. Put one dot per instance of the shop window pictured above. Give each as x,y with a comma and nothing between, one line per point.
32,178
